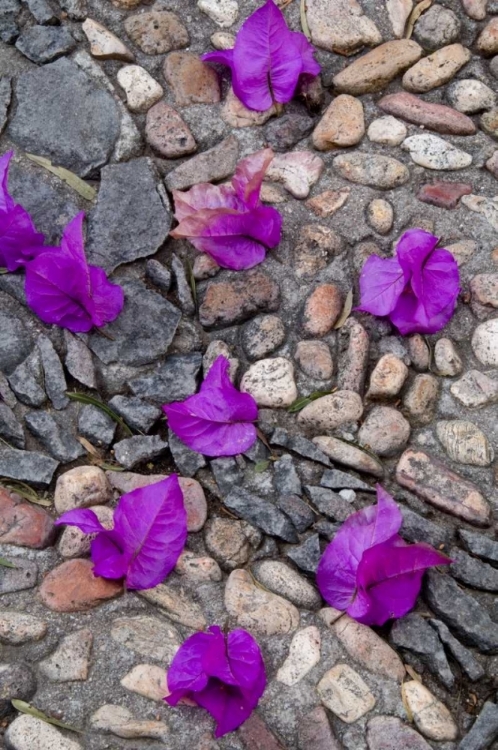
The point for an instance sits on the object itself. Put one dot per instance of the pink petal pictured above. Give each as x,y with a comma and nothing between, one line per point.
381,284
306,50
249,176
204,196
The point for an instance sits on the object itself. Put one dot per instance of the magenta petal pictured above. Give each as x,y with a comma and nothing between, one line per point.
217,421
205,196
245,659
381,284
107,298
109,561
6,200
412,250
221,56
306,50
187,672
84,518
249,176
151,525
227,705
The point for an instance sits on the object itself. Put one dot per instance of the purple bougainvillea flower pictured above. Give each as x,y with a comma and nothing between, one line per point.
369,570
61,287
223,674
19,240
217,421
228,222
267,60
418,289
149,533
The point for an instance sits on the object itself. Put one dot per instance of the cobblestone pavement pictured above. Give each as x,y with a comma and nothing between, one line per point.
401,132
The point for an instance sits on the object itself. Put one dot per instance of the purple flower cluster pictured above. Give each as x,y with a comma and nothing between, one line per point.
61,287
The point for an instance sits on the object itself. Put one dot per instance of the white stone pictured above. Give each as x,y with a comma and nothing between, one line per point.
345,693
222,12
297,171
18,627
29,733
176,604
340,26
330,412
475,389
283,580
75,543
367,648
271,382
103,44
70,662
262,612
147,636
470,96
432,152
304,654
196,568
119,721
447,359
431,717
81,487
485,342
488,207
388,377
399,12
387,130
141,90
464,442
147,680
222,40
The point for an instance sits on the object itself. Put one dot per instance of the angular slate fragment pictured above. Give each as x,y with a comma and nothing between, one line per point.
159,275
307,554
304,447
5,95
96,426
416,528
42,44
54,378
183,291
227,473
25,382
462,655
329,503
27,466
10,429
284,132
137,413
44,11
137,449
79,361
187,461
340,480
131,219
212,165
480,545
174,380
81,120
473,572
57,440
461,612
9,30
286,478
484,730
298,511
142,332
15,343
261,513
413,634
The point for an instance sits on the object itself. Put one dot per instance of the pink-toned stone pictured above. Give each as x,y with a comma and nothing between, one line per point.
475,9
235,114
373,71
354,344
192,81
315,733
342,124
368,648
443,194
488,39
314,359
327,203
436,117
256,735
492,164
167,133
322,309
437,484
23,523
72,587
235,300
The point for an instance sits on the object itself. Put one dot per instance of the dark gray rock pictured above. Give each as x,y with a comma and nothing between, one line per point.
15,343
183,291
473,572
329,503
23,576
210,166
480,545
143,331
261,513
159,275
13,284
75,9
300,445
135,450
484,730
269,549
44,11
340,480
307,554
227,474
326,529
437,28
10,429
136,412
53,374
5,96
27,466
131,219
9,11
57,440
25,381
6,394
81,121
285,477
462,655
42,44
461,612
188,462
79,360
414,635
257,452
96,426
298,511
415,528
17,682
174,380
284,132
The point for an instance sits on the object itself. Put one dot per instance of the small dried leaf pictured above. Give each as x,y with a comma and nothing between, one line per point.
6,563
414,675
25,491
346,310
261,466
27,708
4,270
192,282
109,467
91,449
415,15
304,21
406,704
76,183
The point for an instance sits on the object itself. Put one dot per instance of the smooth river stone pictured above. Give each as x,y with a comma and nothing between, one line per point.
436,117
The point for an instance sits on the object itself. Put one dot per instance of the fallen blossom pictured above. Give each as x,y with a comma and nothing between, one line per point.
223,674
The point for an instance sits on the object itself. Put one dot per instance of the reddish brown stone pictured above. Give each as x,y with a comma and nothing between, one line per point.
314,732
192,81
23,523
167,133
72,587
255,735
322,309
492,164
443,194
436,117
228,302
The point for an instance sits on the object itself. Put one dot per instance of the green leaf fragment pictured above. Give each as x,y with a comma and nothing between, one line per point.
76,183
27,708
261,466
300,403
84,398
6,563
